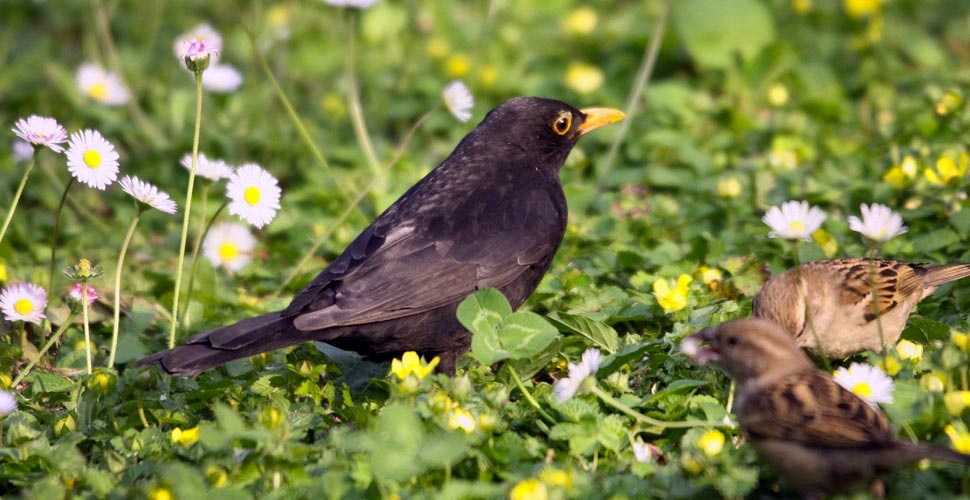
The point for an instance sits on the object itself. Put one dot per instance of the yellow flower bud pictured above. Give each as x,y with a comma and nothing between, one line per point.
956,402
529,489
711,442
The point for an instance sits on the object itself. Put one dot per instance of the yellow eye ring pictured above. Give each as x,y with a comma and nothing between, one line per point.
562,123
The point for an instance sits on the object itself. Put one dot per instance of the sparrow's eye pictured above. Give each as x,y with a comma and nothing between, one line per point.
562,123
733,341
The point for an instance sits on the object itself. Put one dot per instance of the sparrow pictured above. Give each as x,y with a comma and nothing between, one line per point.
491,215
837,308
819,437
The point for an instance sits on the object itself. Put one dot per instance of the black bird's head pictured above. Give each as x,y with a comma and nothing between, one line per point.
538,130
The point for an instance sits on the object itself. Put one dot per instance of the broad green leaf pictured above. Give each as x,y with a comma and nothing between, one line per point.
482,313
931,330
443,449
395,443
525,334
600,334
41,382
715,31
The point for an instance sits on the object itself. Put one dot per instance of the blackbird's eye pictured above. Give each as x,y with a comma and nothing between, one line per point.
562,123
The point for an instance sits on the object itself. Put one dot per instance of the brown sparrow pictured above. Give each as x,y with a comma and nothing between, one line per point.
830,308
817,435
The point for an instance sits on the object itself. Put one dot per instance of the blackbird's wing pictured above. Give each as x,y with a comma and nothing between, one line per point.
398,268
810,408
891,283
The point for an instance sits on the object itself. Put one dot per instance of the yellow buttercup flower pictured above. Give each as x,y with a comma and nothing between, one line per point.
950,102
529,489
933,382
3,272
801,6
959,438
411,364
160,493
709,275
186,437
457,65
947,169
778,94
728,187
826,242
861,8
672,298
584,78
461,419
711,442
961,340
556,477
891,365
956,402
581,21
909,351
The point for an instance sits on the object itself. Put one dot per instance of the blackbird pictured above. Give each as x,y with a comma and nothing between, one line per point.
491,215
830,308
817,435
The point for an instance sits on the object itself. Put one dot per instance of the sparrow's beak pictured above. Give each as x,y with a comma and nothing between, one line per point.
699,349
599,117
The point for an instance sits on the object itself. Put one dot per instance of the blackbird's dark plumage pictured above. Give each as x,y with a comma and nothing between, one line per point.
491,215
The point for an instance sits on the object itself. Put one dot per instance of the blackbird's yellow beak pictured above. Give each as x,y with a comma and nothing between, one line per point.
599,117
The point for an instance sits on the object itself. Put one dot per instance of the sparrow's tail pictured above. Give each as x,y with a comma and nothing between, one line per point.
938,275
245,338
937,453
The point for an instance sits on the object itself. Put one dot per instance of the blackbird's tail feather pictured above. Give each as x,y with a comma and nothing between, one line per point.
938,275
938,453
242,339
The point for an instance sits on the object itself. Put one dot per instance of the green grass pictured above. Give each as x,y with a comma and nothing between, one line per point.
860,94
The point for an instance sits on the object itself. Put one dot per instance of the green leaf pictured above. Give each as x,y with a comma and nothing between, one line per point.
600,334
714,31
41,382
931,330
395,443
525,334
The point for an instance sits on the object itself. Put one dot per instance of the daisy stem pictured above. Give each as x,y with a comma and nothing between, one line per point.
16,197
640,83
399,152
117,305
195,256
195,249
57,225
528,395
188,208
356,111
323,238
619,405
50,342
87,326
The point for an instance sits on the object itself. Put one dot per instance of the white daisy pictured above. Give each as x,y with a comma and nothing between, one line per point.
210,169
229,245
200,42
148,194
795,220
42,131
101,85
21,150
646,452
866,381
221,78
879,223
23,302
459,100
587,367
254,194
76,295
356,4
8,403
92,159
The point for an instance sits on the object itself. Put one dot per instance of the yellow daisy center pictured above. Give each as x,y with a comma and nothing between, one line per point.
796,225
228,251
862,389
23,306
92,158
251,195
98,91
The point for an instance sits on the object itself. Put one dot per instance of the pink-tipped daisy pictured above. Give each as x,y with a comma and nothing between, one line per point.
221,78
212,169
567,387
354,4
8,403
201,42
148,194
23,302
41,131
254,194
101,85
229,245
77,296
92,159
459,101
